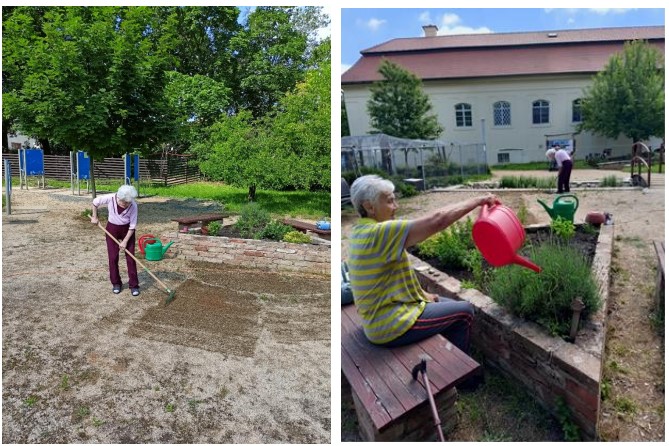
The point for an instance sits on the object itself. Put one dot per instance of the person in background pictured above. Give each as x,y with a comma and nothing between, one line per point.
394,309
565,164
121,224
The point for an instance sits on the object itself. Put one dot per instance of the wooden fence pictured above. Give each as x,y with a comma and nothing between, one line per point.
170,171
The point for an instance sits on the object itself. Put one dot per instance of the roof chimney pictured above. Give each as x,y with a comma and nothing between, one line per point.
430,30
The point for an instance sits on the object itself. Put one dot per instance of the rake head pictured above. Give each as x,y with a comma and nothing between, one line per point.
170,297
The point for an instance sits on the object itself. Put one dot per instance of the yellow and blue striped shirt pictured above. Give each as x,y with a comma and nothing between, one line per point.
387,294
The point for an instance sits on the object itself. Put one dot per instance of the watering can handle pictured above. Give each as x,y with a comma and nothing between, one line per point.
569,196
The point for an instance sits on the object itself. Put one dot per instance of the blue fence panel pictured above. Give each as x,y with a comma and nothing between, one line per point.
83,166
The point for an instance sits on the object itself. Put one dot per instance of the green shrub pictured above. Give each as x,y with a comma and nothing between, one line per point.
450,246
611,181
214,227
296,237
521,182
252,220
563,228
546,297
275,230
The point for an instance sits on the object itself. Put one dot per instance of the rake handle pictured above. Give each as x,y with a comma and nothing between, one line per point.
135,258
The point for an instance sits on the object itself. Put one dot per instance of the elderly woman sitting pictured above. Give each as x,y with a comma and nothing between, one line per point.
393,307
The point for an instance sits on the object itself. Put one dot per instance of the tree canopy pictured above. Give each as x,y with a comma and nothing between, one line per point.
627,97
108,80
399,107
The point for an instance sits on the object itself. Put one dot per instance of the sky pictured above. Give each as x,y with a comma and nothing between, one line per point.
364,28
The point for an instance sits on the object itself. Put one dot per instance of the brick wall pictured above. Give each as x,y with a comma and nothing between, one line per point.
549,368
253,253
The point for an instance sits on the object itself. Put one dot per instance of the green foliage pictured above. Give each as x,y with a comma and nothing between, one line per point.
563,228
296,237
288,149
546,297
587,228
570,430
86,213
252,220
611,181
345,130
275,230
522,213
627,97
398,106
170,407
214,227
521,182
451,246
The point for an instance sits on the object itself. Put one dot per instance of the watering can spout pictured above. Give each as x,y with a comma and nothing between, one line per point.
522,261
167,246
549,210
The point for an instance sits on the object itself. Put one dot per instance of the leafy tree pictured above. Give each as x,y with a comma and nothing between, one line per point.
289,148
399,107
627,97
94,78
271,57
345,131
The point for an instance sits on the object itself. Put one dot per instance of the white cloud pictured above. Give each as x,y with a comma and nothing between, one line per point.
345,67
375,24
451,24
425,18
604,11
372,24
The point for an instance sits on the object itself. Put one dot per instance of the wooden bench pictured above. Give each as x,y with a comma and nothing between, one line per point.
304,227
389,403
659,280
186,223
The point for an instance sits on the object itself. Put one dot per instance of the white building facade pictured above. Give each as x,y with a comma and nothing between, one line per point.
515,92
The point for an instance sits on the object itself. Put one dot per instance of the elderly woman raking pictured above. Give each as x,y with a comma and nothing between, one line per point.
394,309
121,224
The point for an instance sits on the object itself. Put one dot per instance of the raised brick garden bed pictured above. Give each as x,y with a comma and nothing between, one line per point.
279,256
549,368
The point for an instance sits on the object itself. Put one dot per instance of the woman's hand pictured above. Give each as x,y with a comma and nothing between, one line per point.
94,219
122,246
489,199
431,297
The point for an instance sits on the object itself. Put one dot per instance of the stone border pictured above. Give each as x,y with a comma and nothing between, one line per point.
549,368
301,257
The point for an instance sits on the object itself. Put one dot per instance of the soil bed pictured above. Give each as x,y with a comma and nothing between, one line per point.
240,356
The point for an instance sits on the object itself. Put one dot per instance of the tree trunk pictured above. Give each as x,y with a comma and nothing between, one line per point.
252,193
44,144
92,178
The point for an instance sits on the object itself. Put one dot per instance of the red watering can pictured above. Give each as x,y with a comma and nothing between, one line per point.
498,234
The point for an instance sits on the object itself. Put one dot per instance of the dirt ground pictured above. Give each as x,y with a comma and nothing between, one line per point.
634,369
240,355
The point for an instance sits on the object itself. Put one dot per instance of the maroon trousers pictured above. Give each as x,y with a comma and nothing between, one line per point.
113,252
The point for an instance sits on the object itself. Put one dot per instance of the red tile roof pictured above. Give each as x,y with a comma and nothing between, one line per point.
484,55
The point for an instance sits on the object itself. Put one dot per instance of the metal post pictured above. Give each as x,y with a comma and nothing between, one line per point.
71,174
422,169
8,187
577,306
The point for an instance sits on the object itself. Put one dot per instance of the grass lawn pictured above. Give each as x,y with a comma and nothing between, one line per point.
280,203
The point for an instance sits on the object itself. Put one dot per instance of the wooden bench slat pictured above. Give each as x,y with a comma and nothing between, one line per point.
408,396
364,392
379,377
304,226
197,218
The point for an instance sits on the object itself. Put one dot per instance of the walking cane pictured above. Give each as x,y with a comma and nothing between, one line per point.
422,368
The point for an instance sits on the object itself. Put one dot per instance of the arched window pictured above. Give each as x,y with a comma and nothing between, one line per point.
576,111
501,113
463,115
540,112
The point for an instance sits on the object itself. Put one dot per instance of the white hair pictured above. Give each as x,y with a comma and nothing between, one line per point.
550,153
368,188
126,193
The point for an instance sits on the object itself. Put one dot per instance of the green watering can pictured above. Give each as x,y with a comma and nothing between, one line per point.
154,251
563,206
